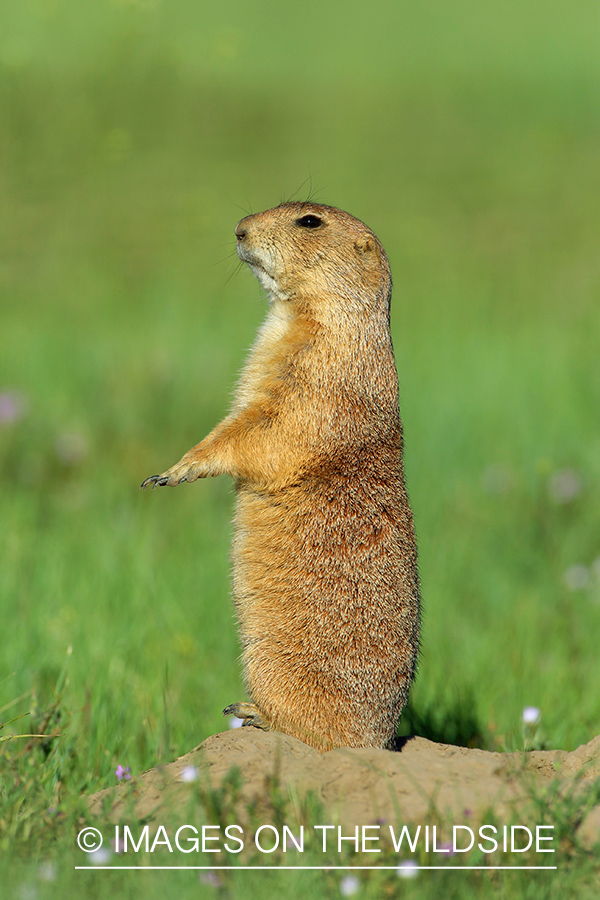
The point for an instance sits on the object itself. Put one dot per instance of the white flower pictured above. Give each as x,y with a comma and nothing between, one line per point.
576,577
497,479
564,485
407,869
190,773
234,722
99,857
71,448
47,871
531,715
28,892
349,885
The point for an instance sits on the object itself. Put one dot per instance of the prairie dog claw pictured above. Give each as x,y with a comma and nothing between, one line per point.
153,480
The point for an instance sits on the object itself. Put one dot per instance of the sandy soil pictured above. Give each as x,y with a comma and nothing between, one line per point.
420,782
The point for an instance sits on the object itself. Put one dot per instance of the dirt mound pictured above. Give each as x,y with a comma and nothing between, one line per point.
358,787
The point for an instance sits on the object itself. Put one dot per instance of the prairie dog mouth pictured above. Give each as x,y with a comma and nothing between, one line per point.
254,259
260,270
267,281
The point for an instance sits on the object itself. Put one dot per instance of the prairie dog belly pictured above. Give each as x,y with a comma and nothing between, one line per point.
325,601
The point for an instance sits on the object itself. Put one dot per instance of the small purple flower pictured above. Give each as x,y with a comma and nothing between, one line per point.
294,842
211,878
123,774
118,846
13,407
447,848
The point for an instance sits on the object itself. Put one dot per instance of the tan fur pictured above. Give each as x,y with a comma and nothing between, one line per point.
324,556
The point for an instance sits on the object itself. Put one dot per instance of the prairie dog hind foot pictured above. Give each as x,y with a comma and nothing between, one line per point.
251,715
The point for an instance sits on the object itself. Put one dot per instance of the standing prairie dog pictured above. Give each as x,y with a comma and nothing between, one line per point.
324,557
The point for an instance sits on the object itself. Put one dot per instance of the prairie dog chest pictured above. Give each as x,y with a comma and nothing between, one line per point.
267,356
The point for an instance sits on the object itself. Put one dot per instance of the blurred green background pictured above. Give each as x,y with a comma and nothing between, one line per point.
133,136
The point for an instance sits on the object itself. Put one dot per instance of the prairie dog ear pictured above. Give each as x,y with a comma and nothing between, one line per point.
364,245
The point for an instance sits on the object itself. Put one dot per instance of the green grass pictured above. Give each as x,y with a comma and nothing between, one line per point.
132,138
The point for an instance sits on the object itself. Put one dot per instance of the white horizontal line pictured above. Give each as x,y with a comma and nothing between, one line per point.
318,868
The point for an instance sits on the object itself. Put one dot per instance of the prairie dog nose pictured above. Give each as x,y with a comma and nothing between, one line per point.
240,230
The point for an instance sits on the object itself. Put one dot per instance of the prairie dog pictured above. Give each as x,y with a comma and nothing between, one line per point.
325,576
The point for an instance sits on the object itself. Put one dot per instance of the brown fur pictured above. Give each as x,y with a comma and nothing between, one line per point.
324,557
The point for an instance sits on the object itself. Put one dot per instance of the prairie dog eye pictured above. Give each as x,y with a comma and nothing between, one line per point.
309,221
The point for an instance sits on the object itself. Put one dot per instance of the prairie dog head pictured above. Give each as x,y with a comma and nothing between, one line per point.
318,256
